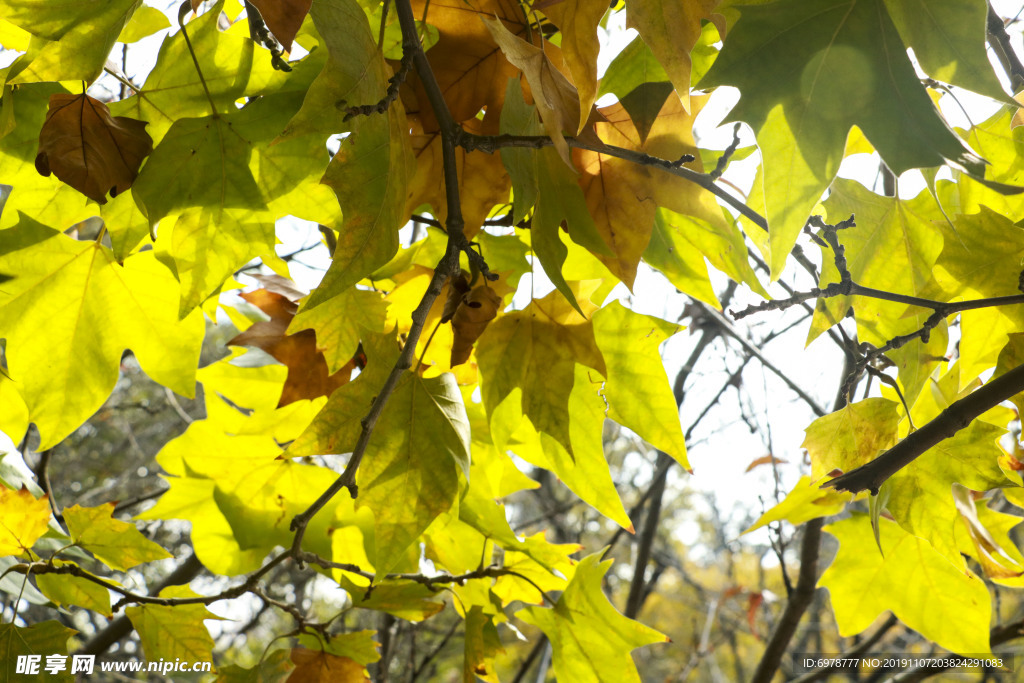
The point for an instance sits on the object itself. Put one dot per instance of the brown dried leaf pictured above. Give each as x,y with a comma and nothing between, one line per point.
556,98
283,18
478,307
88,149
314,666
457,288
308,376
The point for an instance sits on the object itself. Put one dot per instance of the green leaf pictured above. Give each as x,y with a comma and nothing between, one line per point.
591,640
145,22
42,639
893,247
541,180
637,388
407,600
672,29
94,309
482,645
67,589
944,604
118,544
359,646
809,71
173,632
582,466
422,435
536,350
636,65
920,497
981,259
679,244
339,322
806,501
71,40
371,171
945,36
232,68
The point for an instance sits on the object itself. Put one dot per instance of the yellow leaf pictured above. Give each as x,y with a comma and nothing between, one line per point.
578,21
806,501
118,544
24,520
555,97
944,604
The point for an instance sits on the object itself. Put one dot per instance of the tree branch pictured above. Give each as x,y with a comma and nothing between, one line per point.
957,416
446,267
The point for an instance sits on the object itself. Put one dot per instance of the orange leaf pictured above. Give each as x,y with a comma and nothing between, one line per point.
483,181
283,18
623,196
308,376
88,149
312,666
753,602
477,308
467,63
555,97
763,460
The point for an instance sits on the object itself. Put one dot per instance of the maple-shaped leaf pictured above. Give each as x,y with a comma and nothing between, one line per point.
807,500
421,442
317,666
68,589
639,81
371,171
232,68
87,148
578,21
671,29
590,639
483,182
69,44
24,520
339,323
471,70
581,465
540,181
536,351
119,544
623,197
482,645
926,592
168,632
97,308
809,71
42,639
637,389
851,436
308,376
283,18
555,97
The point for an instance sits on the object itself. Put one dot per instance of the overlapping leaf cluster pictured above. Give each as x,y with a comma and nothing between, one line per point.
127,217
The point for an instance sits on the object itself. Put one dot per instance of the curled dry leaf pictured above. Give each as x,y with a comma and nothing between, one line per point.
476,309
555,97
90,150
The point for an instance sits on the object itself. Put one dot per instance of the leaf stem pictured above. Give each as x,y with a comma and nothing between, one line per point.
183,11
